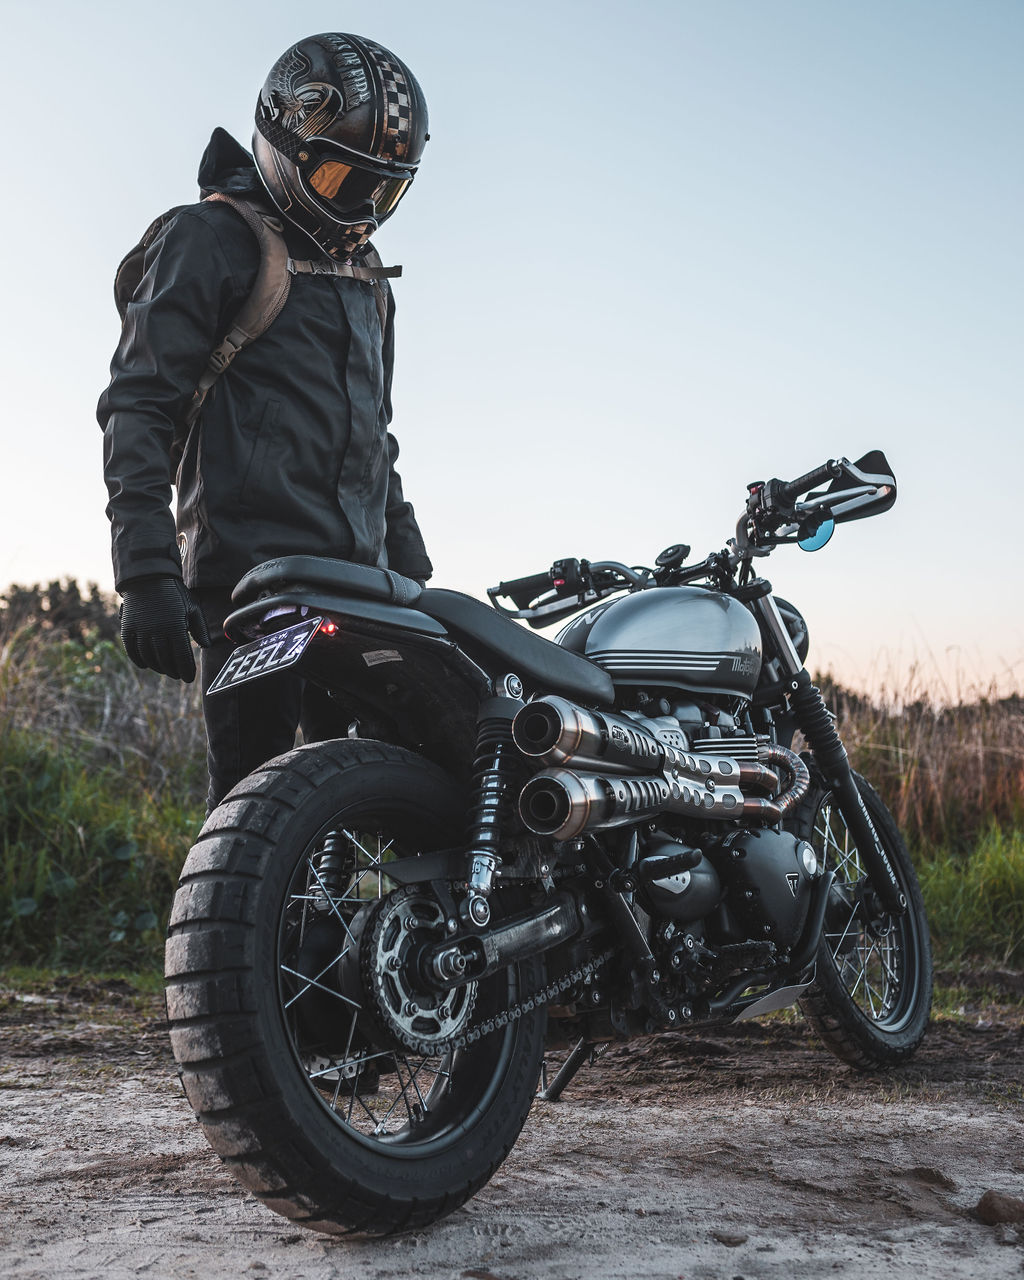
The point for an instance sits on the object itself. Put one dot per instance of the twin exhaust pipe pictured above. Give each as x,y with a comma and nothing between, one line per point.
625,771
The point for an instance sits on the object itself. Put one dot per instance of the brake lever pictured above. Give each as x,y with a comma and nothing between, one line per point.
824,505
828,500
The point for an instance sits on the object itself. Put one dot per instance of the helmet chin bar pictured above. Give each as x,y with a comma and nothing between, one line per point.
349,240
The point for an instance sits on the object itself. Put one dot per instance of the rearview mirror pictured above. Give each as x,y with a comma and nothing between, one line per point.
815,538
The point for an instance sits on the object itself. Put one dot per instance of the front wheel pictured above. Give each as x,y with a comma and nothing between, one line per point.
292,998
871,998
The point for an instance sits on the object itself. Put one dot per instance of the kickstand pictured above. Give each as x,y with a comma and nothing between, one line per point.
553,1091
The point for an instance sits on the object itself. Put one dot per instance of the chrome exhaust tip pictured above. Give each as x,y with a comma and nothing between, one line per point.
561,804
538,727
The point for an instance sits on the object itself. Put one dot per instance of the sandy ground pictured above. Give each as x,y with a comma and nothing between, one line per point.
729,1155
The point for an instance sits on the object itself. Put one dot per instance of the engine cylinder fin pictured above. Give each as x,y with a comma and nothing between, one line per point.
740,748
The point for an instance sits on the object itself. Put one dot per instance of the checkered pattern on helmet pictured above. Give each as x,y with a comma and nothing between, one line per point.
397,102
351,239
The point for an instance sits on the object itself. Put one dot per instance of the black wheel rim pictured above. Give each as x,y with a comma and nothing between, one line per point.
875,956
402,1104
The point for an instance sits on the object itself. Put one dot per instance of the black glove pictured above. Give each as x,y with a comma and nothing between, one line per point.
156,617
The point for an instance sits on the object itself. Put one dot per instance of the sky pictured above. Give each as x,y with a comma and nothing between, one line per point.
655,251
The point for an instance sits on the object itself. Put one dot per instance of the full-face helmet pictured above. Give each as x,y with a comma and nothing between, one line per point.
340,129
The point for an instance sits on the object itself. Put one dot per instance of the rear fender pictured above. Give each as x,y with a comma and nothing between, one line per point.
396,670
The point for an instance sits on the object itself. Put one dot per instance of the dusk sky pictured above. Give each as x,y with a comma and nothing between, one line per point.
655,251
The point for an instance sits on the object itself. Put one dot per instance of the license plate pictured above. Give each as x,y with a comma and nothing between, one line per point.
269,653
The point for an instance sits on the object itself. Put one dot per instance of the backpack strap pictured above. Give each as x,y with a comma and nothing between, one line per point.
264,303
380,290
369,268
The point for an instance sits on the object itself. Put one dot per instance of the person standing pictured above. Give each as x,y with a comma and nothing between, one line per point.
290,450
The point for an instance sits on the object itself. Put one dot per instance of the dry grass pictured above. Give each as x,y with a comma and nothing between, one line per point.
949,773
102,782
86,699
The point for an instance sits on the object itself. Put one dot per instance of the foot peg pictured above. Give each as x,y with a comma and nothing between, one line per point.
660,866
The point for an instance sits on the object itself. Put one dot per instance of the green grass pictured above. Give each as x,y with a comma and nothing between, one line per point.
101,783
975,902
91,855
136,986
102,779
89,859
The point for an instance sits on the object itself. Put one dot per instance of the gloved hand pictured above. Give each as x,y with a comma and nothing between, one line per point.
157,615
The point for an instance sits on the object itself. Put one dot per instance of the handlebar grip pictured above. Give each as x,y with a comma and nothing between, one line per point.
523,590
830,470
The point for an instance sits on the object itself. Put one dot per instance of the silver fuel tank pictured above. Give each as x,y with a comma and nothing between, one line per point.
680,637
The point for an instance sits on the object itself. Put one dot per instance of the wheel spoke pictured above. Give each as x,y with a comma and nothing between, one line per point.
329,898
413,1080
375,1092
867,954
890,972
339,1065
843,936
401,1098
375,863
313,982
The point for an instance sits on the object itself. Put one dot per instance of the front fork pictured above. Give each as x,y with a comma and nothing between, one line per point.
815,723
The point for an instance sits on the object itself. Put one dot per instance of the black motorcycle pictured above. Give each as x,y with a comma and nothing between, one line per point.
525,844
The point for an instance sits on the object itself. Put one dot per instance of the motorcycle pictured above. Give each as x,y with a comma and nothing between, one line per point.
525,844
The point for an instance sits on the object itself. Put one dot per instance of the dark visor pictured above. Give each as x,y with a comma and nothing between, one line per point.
347,188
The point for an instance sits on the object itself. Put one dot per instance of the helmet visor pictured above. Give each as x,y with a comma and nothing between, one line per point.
349,190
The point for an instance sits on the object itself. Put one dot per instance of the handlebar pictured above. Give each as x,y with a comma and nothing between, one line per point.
788,491
772,515
522,590
543,598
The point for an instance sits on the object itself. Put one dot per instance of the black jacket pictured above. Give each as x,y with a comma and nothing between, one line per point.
291,452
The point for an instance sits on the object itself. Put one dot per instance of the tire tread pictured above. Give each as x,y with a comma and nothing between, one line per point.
212,1004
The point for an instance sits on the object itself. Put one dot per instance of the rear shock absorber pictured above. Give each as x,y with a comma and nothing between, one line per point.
493,768
335,867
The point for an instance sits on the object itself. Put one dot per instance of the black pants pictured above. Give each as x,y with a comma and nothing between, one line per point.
249,725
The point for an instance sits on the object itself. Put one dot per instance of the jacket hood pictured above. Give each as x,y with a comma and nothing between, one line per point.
226,166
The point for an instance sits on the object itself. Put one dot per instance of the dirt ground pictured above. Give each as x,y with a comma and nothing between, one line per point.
716,1157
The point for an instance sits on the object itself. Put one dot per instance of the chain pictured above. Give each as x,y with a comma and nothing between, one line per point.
513,1013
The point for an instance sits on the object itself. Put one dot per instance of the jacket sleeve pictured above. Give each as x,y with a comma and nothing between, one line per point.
173,323
403,541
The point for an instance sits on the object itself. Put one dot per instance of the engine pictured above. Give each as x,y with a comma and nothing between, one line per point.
726,890
751,884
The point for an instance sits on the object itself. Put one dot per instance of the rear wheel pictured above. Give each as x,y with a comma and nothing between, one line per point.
290,999
871,998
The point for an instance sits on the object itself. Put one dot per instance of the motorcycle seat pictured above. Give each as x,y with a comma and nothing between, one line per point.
274,576
538,660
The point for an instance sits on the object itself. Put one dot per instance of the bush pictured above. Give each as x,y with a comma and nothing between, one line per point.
102,784
89,864
79,693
